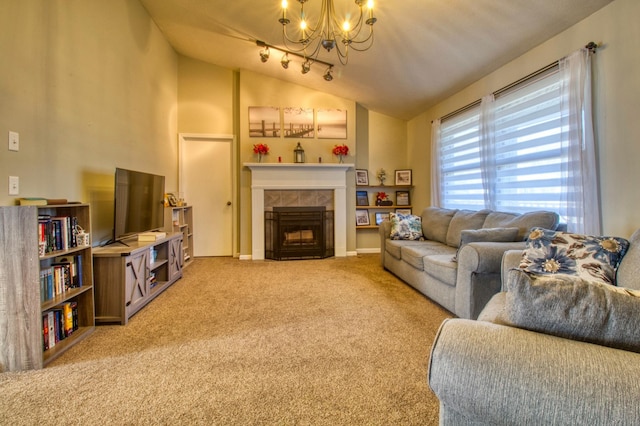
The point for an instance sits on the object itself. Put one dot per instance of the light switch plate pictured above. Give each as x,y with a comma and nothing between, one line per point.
14,185
14,141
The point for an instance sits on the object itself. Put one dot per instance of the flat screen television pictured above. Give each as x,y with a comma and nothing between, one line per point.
139,203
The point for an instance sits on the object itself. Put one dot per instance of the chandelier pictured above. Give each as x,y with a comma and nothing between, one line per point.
329,31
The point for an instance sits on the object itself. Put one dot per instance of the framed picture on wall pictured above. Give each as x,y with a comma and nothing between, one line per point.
362,198
402,198
264,122
381,217
362,177
403,211
403,177
332,123
298,123
362,218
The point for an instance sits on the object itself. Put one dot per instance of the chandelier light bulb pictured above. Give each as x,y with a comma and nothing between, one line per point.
346,26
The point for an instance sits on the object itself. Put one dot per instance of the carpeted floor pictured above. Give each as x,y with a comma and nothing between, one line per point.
336,341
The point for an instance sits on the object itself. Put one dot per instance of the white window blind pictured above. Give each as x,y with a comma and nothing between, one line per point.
527,149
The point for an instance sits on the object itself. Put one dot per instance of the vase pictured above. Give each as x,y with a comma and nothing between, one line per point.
259,158
340,159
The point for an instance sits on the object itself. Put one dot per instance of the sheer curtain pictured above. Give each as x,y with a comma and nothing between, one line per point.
488,151
580,197
436,190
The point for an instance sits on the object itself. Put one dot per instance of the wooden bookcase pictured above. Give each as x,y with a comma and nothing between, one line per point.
372,209
180,219
131,273
23,299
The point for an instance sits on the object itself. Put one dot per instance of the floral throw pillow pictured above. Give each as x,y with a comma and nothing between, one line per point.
592,258
405,227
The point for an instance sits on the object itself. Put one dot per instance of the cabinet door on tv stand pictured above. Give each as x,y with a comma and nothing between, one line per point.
137,281
176,259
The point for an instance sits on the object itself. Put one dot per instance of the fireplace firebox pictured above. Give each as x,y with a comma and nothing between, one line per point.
299,233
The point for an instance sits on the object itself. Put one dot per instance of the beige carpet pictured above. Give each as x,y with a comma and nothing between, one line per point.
336,341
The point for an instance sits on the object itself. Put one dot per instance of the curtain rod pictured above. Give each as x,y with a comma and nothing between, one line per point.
591,46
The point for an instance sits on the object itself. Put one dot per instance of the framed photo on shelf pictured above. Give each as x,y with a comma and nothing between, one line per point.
402,198
403,177
403,211
362,198
381,217
362,177
362,218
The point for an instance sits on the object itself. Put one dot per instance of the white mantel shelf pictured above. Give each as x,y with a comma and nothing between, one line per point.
298,176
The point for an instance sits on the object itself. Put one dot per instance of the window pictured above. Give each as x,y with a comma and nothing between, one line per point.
525,161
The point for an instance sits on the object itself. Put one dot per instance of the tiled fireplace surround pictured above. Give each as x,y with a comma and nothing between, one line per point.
287,184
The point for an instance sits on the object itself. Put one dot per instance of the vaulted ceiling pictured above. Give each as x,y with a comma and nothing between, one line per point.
424,50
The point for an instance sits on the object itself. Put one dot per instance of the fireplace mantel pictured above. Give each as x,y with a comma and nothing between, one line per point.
298,176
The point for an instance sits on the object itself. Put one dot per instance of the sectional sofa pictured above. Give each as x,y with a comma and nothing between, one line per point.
454,257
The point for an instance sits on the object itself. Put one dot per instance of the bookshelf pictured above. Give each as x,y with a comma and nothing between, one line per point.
29,294
129,274
180,219
372,209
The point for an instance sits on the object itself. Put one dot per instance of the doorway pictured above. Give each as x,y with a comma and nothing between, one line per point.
206,183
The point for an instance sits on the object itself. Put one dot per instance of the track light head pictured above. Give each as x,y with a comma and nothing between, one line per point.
264,54
327,75
285,61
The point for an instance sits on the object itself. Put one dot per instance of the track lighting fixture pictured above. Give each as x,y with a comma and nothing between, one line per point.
306,64
285,61
264,54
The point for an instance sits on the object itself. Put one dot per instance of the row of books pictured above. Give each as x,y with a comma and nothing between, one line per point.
63,274
58,324
57,232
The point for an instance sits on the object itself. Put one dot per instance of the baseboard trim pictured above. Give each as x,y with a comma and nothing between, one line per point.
372,250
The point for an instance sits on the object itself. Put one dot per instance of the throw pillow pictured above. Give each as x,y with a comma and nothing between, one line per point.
464,219
498,235
570,307
405,227
589,257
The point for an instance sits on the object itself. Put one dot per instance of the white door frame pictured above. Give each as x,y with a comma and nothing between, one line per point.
185,137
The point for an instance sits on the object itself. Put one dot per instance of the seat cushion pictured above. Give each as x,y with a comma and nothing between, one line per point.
441,267
414,254
394,247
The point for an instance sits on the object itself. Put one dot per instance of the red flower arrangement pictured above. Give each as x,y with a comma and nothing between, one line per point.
261,148
381,196
340,150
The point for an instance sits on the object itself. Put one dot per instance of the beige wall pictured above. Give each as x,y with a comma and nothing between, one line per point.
91,86
616,71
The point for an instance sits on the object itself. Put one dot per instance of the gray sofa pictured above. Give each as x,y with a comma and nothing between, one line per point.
485,372
464,286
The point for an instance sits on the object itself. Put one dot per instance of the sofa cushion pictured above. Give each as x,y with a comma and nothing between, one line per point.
414,254
570,307
405,227
592,258
394,247
524,222
435,223
498,235
441,267
629,269
464,219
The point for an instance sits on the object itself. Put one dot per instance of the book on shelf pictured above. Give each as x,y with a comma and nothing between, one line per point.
58,323
151,236
32,201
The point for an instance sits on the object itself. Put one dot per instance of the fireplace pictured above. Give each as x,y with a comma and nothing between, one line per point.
298,177
298,233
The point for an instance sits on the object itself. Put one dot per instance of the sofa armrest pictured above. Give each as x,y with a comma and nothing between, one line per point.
510,259
478,276
384,231
494,374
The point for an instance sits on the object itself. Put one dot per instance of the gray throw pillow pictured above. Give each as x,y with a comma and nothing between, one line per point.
570,307
497,235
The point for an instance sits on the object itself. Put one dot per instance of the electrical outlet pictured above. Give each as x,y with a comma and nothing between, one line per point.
14,141
14,185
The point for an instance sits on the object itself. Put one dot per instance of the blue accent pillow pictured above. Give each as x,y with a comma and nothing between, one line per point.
592,258
405,227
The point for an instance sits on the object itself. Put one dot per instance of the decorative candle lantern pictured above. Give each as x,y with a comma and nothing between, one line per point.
298,154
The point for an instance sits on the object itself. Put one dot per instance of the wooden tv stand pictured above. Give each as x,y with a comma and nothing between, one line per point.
131,273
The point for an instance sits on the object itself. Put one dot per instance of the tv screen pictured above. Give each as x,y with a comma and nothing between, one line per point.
139,203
